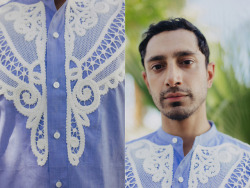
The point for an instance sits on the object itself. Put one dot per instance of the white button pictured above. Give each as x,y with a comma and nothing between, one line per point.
58,184
56,135
180,179
56,84
55,35
174,140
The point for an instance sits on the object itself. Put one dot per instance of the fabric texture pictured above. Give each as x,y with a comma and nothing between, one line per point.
215,160
62,93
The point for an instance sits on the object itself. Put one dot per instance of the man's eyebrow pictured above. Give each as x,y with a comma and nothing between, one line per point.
157,58
183,53
176,54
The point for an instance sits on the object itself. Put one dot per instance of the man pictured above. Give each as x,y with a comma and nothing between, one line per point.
62,93
187,151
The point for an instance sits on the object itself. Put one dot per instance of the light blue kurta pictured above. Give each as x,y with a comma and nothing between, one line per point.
62,94
215,160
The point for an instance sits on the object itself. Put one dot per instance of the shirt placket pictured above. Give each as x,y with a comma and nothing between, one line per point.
181,164
56,99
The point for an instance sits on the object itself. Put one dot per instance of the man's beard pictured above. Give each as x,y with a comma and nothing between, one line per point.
178,112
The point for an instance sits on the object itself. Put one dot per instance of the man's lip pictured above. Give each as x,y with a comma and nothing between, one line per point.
175,95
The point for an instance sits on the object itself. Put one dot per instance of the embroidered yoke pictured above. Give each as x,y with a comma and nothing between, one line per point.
62,93
215,160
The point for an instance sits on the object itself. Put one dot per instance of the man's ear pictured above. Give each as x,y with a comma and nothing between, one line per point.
210,74
145,78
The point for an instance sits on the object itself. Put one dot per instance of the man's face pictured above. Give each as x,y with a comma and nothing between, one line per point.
176,74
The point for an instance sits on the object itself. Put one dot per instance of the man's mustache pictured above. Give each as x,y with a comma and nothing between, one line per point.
175,90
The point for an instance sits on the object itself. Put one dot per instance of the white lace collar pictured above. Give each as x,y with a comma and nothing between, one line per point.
148,162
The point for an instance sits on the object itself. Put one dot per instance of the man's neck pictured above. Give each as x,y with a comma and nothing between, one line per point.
189,128
59,3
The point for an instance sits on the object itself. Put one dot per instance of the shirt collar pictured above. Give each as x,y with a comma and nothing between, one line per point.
204,139
51,4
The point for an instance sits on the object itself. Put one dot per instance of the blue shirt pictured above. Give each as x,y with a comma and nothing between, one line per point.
215,160
62,94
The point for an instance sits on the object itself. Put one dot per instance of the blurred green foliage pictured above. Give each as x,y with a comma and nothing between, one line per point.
228,101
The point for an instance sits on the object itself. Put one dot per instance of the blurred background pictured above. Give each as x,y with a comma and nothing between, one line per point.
226,26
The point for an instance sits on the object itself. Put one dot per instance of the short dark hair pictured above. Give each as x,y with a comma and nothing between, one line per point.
171,25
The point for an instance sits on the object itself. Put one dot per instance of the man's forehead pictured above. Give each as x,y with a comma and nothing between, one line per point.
172,42
174,34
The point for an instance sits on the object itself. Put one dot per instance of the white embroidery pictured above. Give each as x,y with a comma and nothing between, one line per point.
27,21
158,162
91,74
206,162
113,1
239,174
19,78
82,15
131,176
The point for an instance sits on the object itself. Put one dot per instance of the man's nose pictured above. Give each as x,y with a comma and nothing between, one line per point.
173,76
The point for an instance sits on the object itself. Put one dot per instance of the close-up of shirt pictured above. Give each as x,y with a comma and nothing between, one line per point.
62,93
215,160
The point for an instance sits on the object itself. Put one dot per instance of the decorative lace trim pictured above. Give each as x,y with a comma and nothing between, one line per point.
4,2
206,162
84,95
131,176
18,78
158,162
82,15
239,175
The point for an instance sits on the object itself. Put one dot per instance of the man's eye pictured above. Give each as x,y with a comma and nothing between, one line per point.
157,67
187,62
